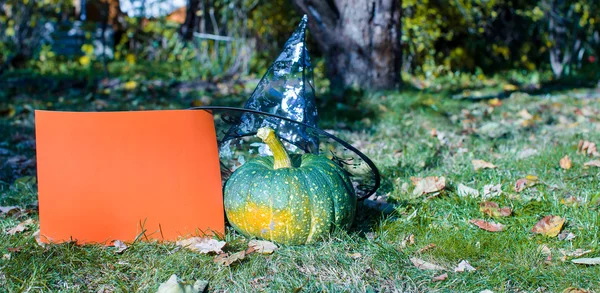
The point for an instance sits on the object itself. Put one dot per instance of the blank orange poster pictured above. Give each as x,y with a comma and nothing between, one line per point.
104,176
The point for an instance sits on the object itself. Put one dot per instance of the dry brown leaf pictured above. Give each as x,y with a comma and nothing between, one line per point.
441,277
587,261
481,164
434,132
226,259
175,285
355,255
493,210
495,102
20,227
587,148
525,114
120,245
575,253
488,226
523,183
428,185
491,190
262,246
423,265
426,248
575,290
202,244
549,226
9,210
463,266
592,163
566,235
410,239
545,250
38,239
566,163
466,191
526,153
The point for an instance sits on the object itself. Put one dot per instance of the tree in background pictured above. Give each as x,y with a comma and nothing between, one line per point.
360,40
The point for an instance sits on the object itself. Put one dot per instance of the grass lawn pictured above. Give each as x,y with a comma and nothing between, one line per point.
408,134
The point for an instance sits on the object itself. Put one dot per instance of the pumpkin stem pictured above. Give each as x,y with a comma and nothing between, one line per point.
280,156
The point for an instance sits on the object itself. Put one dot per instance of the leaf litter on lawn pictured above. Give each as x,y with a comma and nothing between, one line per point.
431,184
481,164
492,209
202,244
424,265
549,226
176,285
488,226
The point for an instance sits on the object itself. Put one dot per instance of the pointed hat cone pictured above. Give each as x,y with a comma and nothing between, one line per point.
284,100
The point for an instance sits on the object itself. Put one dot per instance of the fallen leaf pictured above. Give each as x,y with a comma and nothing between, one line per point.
549,226
20,227
226,259
426,248
566,235
593,163
566,163
408,240
488,226
463,266
14,249
120,245
587,148
493,210
575,253
9,210
587,261
441,277
491,190
175,285
6,256
423,265
526,153
495,102
202,244
38,239
525,114
481,164
428,185
433,132
355,255
493,130
545,250
575,290
570,201
261,246
465,191
523,183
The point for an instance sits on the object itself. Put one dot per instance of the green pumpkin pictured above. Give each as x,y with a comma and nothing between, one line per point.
289,200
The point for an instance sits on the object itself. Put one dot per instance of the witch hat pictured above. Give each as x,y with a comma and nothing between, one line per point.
284,100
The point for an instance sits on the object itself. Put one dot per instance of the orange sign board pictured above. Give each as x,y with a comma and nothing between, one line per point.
104,176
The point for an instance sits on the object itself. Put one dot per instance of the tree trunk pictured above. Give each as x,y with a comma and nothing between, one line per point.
188,28
360,39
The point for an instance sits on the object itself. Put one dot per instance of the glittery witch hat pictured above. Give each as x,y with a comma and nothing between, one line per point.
285,101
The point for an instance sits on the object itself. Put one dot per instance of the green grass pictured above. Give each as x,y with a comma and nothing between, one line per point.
394,129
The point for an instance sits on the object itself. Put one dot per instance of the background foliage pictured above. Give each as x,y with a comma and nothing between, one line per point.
440,38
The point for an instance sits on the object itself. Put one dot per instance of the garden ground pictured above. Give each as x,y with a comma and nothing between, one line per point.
409,135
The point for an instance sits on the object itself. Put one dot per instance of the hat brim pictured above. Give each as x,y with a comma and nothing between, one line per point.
241,145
